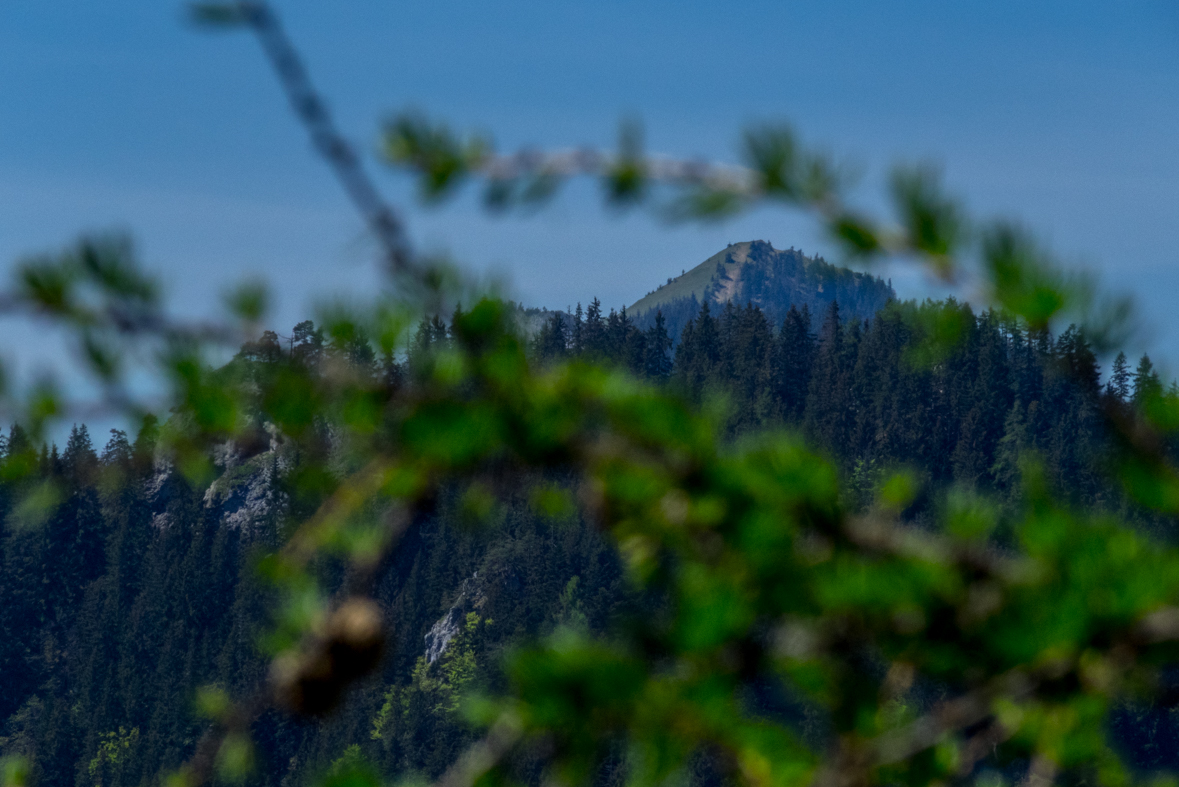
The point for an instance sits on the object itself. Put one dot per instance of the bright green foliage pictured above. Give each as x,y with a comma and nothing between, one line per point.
248,302
13,771
351,770
438,687
235,758
933,221
626,179
773,153
570,613
112,750
411,139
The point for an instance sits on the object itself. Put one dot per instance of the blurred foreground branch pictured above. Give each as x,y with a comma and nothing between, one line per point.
756,574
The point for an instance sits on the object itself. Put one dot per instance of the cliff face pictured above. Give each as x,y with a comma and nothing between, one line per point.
773,279
246,495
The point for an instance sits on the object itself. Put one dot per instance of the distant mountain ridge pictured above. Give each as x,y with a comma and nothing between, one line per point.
772,279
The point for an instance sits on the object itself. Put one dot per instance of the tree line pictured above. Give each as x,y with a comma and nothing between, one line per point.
140,586
883,393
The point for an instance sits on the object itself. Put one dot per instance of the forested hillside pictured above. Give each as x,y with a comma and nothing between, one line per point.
141,586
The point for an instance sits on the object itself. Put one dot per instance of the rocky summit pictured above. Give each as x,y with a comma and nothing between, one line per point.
772,279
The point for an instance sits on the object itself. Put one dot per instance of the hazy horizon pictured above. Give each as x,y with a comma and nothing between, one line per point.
126,117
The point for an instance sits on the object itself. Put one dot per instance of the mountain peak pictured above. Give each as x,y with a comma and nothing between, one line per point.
773,279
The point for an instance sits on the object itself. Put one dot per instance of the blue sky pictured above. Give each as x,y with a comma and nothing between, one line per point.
117,114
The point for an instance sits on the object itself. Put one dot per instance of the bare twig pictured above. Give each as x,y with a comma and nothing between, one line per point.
738,180
956,714
483,755
312,111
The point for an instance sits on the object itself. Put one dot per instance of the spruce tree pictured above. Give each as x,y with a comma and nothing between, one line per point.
577,337
791,371
307,344
1146,381
1119,379
657,360
702,356
551,343
593,336
827,409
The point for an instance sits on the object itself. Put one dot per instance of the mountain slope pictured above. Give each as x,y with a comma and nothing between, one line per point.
141,587
773,279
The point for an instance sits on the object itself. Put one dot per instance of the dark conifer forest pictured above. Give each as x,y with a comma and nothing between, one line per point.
141,587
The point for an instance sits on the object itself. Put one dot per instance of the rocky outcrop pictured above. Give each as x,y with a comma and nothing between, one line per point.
245,496
471,597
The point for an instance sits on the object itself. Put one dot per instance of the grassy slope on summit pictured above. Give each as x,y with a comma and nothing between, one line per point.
694,282
773,279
